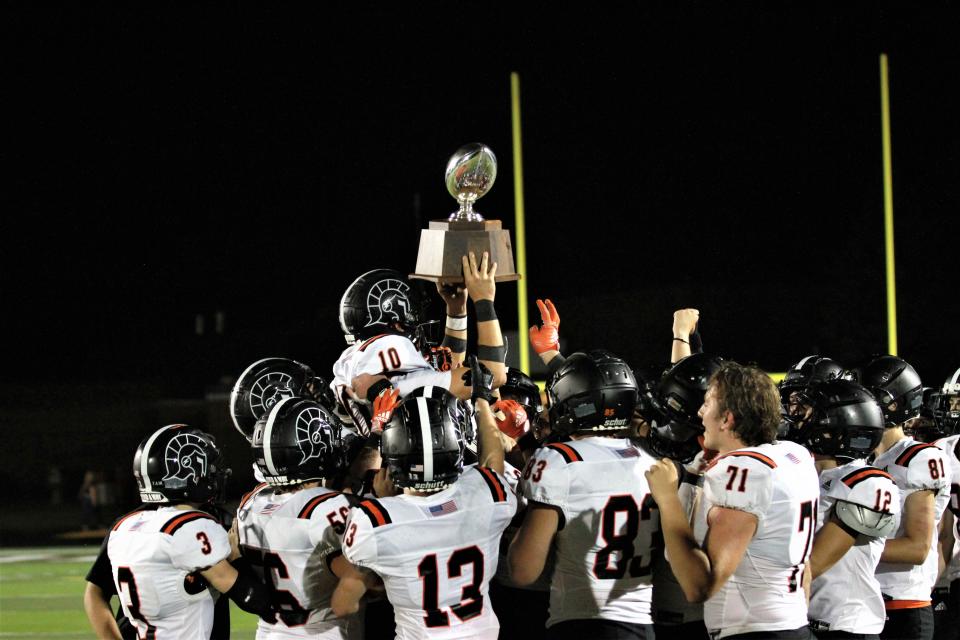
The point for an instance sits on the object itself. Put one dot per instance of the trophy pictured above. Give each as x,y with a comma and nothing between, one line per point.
470,174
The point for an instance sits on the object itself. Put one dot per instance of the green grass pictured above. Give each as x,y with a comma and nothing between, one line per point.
41,595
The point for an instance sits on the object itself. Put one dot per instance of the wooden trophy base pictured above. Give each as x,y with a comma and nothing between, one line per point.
444,243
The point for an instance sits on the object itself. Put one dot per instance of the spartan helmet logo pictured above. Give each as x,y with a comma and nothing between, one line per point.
388,301
186,458
313,433
268,390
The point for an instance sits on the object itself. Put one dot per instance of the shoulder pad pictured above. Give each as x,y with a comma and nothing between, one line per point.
307,511
175,523
568,453
875,524
741,480
490,477
375,512
911,452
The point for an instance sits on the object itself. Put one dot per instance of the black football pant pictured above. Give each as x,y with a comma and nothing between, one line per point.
909,624
599,630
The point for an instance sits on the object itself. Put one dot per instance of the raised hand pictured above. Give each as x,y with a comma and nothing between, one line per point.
546,337
480,278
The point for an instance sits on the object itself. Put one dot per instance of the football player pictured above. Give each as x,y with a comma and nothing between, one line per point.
289,529
946,421
588,498
841,423
747,552
435,544
908,567
672,428
380,314
163,560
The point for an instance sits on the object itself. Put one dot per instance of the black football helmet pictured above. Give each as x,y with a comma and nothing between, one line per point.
423,443
892,381
521,387
180,464
298,441
841,418
265,383
672,407
384,301
806,372
591,392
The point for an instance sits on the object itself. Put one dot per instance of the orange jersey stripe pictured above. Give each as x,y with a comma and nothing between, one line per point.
121,520
894,605
856,477
494,484
367,343
756,456
246,498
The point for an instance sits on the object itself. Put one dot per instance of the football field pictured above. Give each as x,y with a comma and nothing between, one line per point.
41,594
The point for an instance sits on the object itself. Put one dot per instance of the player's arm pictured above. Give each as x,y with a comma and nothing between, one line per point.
830,544
242,587
945,540
96,604
531,545
488,435
481,286
700,572
684,323
455,331
353,584
919,519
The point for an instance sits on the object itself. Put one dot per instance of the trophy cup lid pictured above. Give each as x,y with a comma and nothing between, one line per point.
471,172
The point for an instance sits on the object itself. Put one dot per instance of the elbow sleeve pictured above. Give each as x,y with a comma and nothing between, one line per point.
251,595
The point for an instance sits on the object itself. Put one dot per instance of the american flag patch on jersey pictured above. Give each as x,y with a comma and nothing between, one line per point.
270,508
442,509
792,458
628,453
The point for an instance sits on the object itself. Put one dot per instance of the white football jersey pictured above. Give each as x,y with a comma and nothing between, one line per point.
847,597
391,355
156,558
288,538
670,605
914,466
778,484
951,449
436,554
604,545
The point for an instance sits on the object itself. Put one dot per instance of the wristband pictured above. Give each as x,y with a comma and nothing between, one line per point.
485,310
491,354
457,345
457,323
681,340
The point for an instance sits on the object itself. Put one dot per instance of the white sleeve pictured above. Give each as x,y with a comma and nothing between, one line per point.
739,482
360,540
425,378
198,544
546,479
928,469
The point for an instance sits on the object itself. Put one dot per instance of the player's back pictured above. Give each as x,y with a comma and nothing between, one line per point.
288,537
436,554
607,527
156,558
847,596
778,484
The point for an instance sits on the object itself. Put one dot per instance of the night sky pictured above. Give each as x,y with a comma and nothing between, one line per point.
187,158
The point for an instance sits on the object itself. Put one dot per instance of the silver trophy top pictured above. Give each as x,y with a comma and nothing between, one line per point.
470,174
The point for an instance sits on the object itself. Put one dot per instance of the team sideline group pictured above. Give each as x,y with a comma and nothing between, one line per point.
426,493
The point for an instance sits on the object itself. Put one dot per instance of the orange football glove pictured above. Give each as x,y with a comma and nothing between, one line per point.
383,406
511,418
547,337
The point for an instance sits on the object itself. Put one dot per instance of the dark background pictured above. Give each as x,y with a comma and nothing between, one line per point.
189,159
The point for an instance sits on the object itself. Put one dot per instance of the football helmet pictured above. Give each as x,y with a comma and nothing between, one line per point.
180,464
671,407
809,370
591,392
946,409
841,418
265,383
383,301
521,387
423,444
298,441
892,381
